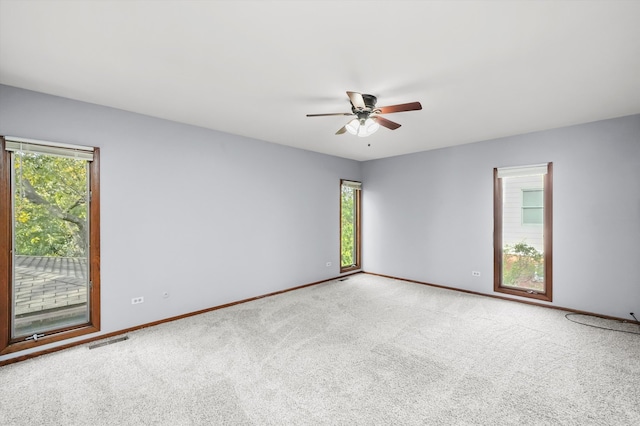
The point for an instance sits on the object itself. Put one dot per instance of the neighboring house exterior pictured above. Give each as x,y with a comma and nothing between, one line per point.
522,218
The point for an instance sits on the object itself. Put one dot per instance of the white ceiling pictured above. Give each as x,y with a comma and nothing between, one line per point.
481,69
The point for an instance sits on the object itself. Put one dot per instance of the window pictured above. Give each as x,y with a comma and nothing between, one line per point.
532,206
350,225
523,231
49,244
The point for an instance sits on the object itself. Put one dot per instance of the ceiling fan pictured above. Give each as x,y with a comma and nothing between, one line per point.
368,119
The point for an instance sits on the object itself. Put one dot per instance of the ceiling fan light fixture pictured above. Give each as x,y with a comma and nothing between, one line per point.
369,127
362,127
353,126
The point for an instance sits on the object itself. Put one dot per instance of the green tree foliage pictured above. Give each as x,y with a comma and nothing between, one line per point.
50,199
522,264
347,220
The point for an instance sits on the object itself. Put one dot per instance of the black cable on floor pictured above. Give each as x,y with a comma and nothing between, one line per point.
597,326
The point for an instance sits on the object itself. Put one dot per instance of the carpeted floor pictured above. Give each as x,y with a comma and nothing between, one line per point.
364,351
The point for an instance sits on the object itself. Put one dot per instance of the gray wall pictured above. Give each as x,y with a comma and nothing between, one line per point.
210,217
429,216
214,218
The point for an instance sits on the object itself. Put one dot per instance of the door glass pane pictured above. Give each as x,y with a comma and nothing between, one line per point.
50,283
522,233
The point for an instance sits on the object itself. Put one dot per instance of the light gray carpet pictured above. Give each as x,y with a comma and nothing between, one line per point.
368,350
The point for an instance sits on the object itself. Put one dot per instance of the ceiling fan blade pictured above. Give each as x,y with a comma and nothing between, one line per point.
356,99
411,106
386,123
342,130
326,115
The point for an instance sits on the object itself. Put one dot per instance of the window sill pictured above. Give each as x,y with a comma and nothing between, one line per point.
21,345
524,293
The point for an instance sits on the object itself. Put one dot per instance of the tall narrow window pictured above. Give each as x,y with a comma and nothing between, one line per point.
522,231
350,225
49,254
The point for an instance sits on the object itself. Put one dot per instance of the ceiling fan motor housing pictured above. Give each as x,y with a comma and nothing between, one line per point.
369,103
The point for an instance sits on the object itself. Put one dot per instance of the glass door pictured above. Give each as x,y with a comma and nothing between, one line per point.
50,247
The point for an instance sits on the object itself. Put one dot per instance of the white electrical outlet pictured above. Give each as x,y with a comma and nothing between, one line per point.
328,264
137,300
475,273
165,294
